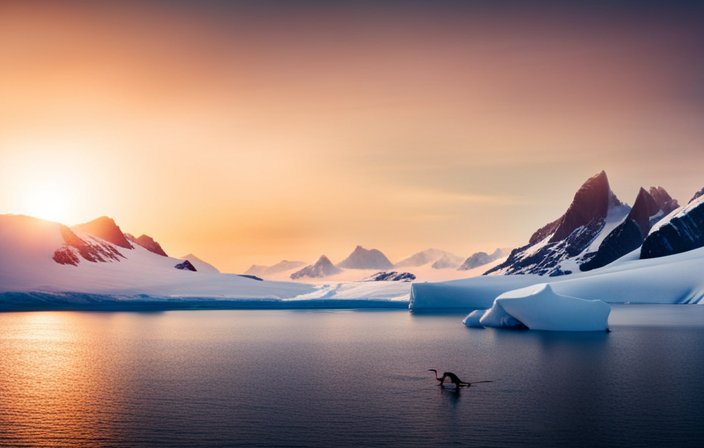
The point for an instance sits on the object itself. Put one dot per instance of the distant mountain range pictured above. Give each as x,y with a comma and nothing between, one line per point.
374,259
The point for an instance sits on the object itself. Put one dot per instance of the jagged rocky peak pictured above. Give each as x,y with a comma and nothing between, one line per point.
321,268
572,236
105,229
592,201
644,207
661,197
148,243
629,234
362,258
648,208
186,266
392,276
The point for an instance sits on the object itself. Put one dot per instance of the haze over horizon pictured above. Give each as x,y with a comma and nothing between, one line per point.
250,132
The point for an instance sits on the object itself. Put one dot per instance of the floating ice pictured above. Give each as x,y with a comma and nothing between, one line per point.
538,307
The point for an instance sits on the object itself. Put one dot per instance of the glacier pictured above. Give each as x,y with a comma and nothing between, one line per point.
674,279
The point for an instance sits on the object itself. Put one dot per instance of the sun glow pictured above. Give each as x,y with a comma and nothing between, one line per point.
47,205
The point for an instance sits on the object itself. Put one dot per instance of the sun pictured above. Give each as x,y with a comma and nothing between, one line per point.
47,205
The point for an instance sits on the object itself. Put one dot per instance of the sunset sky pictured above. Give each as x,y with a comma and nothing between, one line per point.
250,132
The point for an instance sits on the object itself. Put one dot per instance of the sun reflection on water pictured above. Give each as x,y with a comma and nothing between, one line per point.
52,385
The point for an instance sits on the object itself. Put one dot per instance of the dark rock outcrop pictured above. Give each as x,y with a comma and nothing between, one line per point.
392,276
682,233
480,259
148,243
105,229
253,277
629,235
567,237
186,266
321,268
626,237
362,258
66,256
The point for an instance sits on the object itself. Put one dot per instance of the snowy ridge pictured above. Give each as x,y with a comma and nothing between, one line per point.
681,231
673,279
140,279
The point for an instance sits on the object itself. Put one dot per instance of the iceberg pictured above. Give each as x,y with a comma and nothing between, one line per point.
538,307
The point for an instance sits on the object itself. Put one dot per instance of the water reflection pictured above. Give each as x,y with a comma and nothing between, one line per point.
281,378
53,384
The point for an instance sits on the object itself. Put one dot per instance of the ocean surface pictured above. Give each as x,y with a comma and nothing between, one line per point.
316,378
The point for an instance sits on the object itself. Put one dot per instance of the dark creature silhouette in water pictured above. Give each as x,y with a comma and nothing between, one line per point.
454,379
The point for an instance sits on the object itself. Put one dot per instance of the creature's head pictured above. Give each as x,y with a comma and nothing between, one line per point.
432,370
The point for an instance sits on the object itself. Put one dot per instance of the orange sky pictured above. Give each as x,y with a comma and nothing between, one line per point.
248,134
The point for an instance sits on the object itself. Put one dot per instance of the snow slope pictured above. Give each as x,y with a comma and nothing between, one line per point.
672,279
28,244
30,278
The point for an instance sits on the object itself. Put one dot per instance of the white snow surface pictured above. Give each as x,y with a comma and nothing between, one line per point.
673,279
27,246
538,307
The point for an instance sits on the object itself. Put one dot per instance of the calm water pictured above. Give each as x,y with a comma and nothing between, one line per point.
346,378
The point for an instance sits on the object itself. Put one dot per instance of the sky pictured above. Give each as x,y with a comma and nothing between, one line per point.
251,132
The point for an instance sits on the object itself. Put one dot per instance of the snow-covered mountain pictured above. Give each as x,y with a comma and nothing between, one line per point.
268,271
480,259
44,257
105,229
628,236
321,268
560,247
362,258
681,231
